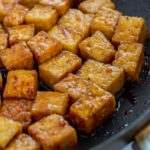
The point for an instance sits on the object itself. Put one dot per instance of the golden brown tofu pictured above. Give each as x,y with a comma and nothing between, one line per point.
2,30
54,133
108,77
15,16
97,47
130,57
60,5
23,142
69,39
105,21
21,84
89,112
28,3
58,67
8,130
130,29
1,64
43,17
18,110
18,57
47,103
20,33
3,41
44,47
1,82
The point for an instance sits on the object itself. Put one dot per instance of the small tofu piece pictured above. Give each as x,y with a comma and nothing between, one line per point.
21,84
20,33
58,67
15,16
23,142
53,132
28,3
105,21
18,110
60,5
97,47
108,77
8,130
130,29
47,103
44,47
89,112
18,57
43,17
93,6
130,57
1,82
3,41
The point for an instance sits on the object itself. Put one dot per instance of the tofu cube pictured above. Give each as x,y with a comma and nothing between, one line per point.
1,63
8,130
23,142
93,6
58,67
108,77
97,47
44,47
47,103
3,41
15,16
56,130
17,110
69,39
61,6
18,57
43,17
130,29
21,84
105,21
1,82
28,3
20,33
130,57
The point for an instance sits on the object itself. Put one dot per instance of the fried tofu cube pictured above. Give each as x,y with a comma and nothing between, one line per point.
44,47
3,41
20,33
58,67
130,29
28,3
108,77
47,103
15,16
97,47
89,112
93,6
18,57
8,130
1,63
55,129
1,82
17,110
105,21
21,84
43,17
130,57
23,142
61,6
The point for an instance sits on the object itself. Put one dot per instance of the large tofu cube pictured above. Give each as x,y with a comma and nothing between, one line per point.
130,57
108,77
17,57
58,67
17,110
130,29
47,103
44,47
97,47
43,17
28,3
89,112
23,142
21,84
53,132
61,6
3,41
8,130
20,33
93,6
105,21
15,16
